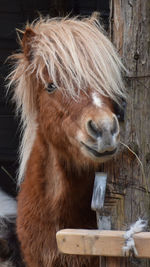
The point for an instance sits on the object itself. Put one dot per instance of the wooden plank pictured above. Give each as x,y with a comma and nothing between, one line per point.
102,243
129,28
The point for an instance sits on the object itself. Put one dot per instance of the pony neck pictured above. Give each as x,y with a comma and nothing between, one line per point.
54,163
60,183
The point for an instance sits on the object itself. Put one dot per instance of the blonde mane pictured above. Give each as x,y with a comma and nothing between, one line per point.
77,55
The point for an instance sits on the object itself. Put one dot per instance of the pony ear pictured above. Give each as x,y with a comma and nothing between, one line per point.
93,19
27,40
94,16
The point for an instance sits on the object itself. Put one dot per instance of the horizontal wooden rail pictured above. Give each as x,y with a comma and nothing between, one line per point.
102,243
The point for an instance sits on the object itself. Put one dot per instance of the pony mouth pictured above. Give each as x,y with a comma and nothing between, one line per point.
98,154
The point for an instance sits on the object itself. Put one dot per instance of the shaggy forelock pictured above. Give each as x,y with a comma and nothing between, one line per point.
76,55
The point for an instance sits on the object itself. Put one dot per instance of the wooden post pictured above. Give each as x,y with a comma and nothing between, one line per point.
127,195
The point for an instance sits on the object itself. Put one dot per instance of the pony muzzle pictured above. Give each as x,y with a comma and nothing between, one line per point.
103,137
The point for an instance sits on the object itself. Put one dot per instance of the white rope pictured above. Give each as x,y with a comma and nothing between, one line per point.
137,227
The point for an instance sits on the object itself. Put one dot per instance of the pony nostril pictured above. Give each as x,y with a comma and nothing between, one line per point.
115,127
93,129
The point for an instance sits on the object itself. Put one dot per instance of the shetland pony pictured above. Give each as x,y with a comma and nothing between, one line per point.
65,80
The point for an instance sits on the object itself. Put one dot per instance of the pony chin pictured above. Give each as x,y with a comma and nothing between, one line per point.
91,159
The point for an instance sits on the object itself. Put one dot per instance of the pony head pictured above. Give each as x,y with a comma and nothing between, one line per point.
65,80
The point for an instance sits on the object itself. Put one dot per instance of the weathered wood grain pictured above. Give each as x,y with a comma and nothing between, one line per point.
128,193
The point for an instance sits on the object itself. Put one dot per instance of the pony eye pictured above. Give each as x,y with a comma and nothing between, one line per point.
51,88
